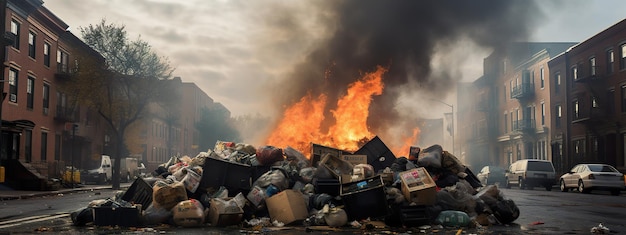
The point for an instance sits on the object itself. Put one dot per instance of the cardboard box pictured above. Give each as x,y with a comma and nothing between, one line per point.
287,206
224,212
355,159
418,186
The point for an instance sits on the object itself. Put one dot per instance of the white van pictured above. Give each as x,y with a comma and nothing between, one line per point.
529,173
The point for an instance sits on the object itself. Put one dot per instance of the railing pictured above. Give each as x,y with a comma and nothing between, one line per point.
524,125
523,90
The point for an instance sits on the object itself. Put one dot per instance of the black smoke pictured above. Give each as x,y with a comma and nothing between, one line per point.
401,35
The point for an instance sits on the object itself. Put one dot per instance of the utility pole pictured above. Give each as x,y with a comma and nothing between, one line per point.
451,122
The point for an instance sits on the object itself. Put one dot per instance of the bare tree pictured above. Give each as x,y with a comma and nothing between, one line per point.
120,89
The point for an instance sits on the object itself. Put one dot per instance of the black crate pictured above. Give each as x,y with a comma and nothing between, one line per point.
140,192
414,216
234,176
328,186
116,216
365,198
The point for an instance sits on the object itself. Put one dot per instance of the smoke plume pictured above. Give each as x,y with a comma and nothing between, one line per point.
402,36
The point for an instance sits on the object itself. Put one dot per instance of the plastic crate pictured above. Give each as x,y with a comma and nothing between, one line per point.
365,198
140,192
116,216
234,176
327,186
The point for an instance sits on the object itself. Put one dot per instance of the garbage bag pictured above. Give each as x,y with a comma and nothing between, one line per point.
156,215
82,216
167,195
296,157
268,155
506,211
274,177
450,218
188,213
430,157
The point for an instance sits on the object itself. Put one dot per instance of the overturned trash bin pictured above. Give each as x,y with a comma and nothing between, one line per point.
365,198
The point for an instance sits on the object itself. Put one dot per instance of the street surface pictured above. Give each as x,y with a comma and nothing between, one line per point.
542,212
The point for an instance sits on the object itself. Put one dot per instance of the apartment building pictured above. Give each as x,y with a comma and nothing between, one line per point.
589,100
510,109
42,130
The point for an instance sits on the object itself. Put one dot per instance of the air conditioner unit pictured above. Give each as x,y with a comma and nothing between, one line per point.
13,98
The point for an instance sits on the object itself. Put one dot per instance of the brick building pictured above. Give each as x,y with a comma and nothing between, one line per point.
590,100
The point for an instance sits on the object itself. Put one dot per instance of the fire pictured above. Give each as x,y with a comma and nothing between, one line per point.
301,122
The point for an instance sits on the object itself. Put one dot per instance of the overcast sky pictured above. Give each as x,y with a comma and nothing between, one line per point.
234,51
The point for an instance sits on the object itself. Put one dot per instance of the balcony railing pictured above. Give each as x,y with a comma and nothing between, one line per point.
589,115
63,71
523,90
524,125
65,114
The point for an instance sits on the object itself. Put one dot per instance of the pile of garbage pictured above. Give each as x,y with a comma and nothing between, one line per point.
236,184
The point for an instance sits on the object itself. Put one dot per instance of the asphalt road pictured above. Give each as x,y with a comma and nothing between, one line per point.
542,212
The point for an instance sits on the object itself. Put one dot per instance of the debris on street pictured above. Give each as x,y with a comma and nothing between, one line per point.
269,188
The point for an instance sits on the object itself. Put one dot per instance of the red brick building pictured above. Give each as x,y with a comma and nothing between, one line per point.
590,100
37,118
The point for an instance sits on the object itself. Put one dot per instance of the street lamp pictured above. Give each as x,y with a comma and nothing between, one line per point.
451,122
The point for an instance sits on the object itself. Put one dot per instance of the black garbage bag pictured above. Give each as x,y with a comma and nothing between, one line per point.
82,216
506,211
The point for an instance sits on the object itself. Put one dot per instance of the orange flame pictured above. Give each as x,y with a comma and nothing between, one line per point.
301,122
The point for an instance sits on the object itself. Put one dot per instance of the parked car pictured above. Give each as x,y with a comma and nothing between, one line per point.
587,177
492,175
529,173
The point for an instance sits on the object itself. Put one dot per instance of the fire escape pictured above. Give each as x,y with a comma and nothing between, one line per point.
590,86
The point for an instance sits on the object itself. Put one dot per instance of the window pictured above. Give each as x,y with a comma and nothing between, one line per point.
44,146
32,39
28,145
574,73
557,82
62,61
15,30
46,54
30,87
46,98
592,66
541,77
610,60
13,85
543,114
610,104
506,126
558,116
576,109
594,102
623,99
622,57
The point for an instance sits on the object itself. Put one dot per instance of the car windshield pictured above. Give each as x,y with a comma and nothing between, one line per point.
601,168
496,169
539,166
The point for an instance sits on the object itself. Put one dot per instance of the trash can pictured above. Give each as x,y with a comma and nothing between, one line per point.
1,174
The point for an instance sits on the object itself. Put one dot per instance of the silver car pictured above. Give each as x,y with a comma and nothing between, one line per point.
587,177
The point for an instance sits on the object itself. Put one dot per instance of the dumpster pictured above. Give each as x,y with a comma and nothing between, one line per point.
67,176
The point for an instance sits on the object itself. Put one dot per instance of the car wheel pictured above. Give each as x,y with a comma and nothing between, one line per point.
548,187
615,192
563,187
127,178
581,187
521,183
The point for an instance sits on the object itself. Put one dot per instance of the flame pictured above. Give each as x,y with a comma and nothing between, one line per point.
301,123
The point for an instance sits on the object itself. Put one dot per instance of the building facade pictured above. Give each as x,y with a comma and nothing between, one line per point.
591,100
42,130
510,118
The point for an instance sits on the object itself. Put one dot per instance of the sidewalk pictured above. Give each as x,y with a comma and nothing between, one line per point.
7,193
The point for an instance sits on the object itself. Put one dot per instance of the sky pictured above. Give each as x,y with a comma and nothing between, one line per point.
255,57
